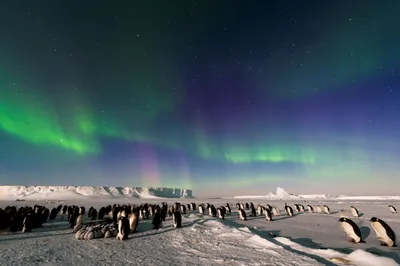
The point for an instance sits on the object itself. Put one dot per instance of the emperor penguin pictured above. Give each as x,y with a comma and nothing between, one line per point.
177,219
327,210
228,209
183,209
157,220
268,215
289,210
275,211
352,230
310,209
221,213
242,214
260,209
133,221
319,209
201,209
383,231
392,209
123,227
252,211
28,222
354,211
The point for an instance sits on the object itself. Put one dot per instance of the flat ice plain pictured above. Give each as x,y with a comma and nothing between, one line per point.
304,239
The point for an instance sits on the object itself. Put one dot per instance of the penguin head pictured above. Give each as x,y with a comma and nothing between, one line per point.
374,219
343,219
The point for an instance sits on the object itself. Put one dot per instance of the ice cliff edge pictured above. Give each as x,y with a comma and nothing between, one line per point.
70,192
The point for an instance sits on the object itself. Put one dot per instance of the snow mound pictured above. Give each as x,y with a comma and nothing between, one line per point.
281,194
85,192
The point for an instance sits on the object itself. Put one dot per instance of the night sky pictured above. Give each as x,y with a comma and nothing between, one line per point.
222,97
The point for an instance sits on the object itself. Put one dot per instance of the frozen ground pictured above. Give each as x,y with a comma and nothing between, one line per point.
305,239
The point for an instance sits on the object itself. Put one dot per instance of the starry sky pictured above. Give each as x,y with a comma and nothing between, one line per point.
222,97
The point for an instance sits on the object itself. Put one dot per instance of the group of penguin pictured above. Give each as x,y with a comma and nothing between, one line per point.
120,221
24,218
383,231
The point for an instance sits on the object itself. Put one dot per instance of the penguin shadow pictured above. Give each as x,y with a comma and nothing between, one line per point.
271,234
284,217
395,255
334,212
365,232
31,235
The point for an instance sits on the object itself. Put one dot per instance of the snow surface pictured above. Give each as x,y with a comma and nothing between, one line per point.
84,192
282,194
305,239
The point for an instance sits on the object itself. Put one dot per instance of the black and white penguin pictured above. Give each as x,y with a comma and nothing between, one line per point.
383,231
275,211
247,206
201,209
183,209
301,207
260,209
193,206
102,213
354,211
297,207
123,227
53,214
177,219
319,209
28,223
289,210
310,209
228,209
221,213
93,214
189,207
157,220
242,214
392,209
327,210
133,221
212,211
268,214
352,230
252,211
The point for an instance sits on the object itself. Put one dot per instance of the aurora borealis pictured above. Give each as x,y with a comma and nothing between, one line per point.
222,97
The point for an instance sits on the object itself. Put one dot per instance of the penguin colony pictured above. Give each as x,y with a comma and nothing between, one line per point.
120,221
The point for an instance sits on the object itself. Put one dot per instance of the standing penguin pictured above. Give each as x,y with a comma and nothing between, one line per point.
252,211
384,233
177,219
123,228
354,211
310,209
201,209
28,223
327,210
133,221
268,215
352,230
392,209
228,209
275,211
289,210
157,220
297,207
319,209
242,214
221,213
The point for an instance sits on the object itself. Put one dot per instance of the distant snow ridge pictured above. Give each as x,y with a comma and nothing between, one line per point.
71,192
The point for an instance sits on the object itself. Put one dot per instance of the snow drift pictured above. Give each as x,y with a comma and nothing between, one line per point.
281,194
85,192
